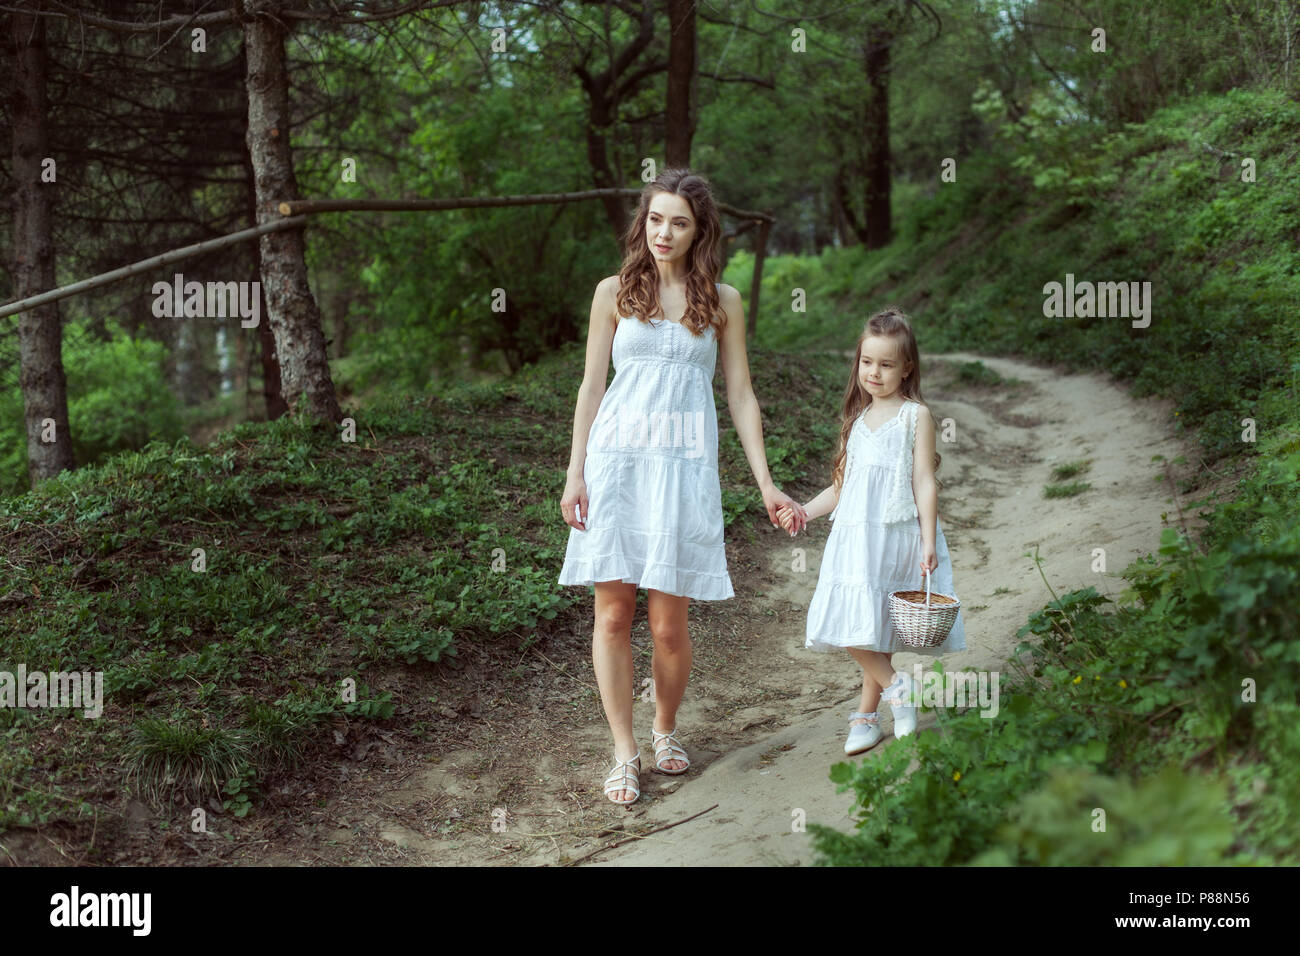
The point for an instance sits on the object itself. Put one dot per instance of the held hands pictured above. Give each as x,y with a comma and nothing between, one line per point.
786,516
929,560
777,501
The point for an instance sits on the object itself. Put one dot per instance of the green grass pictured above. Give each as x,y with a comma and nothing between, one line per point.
978,374
1065,491
1070,469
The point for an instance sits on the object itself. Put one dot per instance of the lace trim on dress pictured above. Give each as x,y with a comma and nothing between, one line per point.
901,505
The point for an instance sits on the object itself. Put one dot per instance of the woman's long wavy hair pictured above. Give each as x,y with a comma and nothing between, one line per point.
638,293
889,321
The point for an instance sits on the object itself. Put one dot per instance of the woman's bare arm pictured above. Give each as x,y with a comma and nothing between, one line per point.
745,413
600,342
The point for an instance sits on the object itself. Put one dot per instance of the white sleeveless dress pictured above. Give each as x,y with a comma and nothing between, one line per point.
870,552
654,498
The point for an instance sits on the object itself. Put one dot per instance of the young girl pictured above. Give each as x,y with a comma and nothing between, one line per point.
885,494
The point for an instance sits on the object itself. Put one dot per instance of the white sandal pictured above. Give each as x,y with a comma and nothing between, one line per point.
624,777
672,750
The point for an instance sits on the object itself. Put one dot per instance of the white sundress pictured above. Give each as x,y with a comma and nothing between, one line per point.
654,498
866,556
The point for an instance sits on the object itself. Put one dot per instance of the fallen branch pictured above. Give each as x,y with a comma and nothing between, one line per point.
297,207
145,265
640,836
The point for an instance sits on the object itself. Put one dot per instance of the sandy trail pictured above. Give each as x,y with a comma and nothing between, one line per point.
993,512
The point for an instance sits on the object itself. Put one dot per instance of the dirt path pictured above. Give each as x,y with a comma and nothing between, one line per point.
993,511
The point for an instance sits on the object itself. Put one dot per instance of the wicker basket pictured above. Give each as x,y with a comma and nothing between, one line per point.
923,619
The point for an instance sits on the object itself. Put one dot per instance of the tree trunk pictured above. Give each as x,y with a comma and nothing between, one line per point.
599,120
845,226
679,118
292,311
879,228
40,334
756,280
604,89
272,398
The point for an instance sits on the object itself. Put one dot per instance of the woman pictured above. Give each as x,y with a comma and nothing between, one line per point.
647,452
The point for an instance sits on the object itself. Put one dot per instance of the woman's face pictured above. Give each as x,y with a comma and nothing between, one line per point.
881,368
669,227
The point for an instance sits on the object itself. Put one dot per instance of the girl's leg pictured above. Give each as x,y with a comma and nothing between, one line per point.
876,664
876,675
611,657
671,664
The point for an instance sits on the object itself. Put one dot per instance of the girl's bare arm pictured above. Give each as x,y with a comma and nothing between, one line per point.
824,503
923,483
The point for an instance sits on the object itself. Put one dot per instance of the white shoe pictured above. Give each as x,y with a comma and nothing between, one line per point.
899,691
863,736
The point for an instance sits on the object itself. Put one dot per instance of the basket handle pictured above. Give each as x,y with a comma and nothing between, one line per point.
925,573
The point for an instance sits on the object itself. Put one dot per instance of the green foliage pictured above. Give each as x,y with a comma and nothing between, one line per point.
949,807
1141,202
118,398
380,707
977,373
1066,491
1081,818
1069,469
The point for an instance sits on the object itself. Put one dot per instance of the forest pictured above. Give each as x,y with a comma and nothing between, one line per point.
294,314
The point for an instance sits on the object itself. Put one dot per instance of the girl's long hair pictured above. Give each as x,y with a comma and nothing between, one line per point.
638,293
888,321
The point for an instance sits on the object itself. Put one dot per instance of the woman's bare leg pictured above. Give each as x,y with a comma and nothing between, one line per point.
611,657
671,663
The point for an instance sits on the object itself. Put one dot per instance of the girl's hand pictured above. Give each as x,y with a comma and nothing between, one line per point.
774,500
929,560
786,516
575,493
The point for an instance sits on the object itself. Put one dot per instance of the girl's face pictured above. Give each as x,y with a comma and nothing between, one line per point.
881,368
669,227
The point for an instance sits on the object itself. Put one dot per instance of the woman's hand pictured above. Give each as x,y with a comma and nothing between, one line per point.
774,500
575,493
929,560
